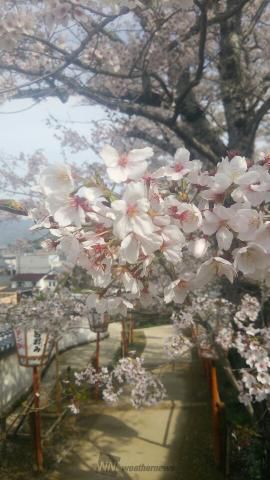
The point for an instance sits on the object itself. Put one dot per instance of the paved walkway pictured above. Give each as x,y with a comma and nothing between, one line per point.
79,357
166,442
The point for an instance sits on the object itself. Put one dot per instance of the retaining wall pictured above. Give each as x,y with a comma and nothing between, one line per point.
15,380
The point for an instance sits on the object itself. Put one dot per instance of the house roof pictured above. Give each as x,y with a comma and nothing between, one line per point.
33,277
51,276
28,277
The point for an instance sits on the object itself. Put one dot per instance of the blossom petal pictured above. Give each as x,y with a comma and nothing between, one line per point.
182,155
224,238
140,154
109,155
130,249
117,174
136,170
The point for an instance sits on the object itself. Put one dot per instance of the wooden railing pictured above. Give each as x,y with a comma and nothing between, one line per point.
217,407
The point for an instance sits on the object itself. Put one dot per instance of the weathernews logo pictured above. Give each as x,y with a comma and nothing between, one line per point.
111,466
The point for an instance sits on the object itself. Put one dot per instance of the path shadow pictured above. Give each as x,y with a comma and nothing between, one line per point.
107,424
191,450
89,458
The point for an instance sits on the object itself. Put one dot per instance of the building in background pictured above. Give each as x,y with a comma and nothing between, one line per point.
22,271
23,282
38,261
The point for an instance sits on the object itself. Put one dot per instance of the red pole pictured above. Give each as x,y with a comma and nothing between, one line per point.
58,382
37,432
124,339
217,406
131,329
97,351
126,342
97,363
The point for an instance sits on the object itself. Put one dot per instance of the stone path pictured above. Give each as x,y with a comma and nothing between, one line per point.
166,442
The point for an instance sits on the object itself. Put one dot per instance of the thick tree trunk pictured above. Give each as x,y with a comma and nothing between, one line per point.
234,85
194,117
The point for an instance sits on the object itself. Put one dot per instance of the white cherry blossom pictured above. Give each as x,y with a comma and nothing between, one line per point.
181,167
233,169
131,213
133,245
250,258
246,222
198,247
262,236
172,243
142,236
130,166
94,301
219,221
253,187
186,214
216,266
178,289
56,178
218,184
119,305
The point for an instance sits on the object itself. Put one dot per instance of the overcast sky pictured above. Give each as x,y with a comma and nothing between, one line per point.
26,130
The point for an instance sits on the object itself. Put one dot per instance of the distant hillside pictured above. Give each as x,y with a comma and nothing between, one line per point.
13,230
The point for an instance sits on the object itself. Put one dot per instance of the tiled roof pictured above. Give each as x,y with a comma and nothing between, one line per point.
28,277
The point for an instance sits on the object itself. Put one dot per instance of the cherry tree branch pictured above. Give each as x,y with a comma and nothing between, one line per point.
198,75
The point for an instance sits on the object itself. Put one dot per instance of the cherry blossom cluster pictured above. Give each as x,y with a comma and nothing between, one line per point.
144,235
54,313
220,327
180,342
144,388
176,345
248,311
120,231
204,322
253,344
13,27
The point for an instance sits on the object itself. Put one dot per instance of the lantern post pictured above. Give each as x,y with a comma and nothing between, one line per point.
58,389
37,432
98,323
131,328
125,337
33,351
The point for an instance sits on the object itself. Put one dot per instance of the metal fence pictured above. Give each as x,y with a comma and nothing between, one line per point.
7,341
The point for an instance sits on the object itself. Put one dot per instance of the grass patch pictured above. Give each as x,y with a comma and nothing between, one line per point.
151,320
139,343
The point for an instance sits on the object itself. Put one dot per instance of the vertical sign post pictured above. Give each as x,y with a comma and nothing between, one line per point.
38,444
33,350
98,324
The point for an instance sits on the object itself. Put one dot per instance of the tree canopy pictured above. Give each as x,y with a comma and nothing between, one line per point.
189,71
